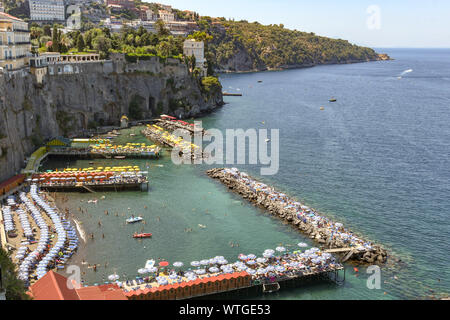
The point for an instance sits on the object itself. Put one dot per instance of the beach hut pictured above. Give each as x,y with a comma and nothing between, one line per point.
124,122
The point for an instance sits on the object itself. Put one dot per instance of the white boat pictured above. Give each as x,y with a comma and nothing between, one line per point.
149,264
134,220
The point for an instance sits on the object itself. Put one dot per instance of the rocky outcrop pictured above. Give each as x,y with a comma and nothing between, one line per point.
90,94
319,234
242,61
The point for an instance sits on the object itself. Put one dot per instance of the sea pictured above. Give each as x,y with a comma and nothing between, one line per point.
377,160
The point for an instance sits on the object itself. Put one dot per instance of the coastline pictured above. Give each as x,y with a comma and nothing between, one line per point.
381,57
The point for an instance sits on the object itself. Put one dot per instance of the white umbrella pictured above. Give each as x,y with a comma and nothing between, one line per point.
280,268
251,256
261,271
251,262
280,249
200,271
204,262
195,263
214,270
302,245
113,277
243,257
143,271
261,260
178,264
173,276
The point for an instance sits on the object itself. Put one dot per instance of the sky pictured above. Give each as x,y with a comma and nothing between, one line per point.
374,23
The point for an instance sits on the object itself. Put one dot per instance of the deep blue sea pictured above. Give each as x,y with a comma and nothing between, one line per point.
377,160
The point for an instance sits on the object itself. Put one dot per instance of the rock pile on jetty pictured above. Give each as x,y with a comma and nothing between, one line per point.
327,233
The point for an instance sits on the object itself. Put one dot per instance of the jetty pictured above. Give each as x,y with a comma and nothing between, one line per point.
250,275
226,94
324,231
173,124
91,180
165,138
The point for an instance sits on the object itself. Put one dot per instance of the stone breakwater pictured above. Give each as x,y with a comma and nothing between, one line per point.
327,233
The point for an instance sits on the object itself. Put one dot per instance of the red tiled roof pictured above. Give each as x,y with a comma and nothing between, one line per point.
52,286
11,180
8,16
103,292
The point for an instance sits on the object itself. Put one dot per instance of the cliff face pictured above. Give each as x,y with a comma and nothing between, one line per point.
93,94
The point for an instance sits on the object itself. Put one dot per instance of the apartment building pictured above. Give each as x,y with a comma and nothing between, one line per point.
15,45
47,10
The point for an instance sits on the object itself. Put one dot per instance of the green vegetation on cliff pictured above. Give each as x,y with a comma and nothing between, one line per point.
273,46
15,288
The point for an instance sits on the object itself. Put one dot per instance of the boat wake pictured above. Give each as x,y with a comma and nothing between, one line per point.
405,72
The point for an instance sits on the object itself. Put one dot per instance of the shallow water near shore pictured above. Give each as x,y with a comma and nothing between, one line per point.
376,160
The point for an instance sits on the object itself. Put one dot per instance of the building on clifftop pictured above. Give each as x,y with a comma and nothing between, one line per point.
15,45
195,48
47,10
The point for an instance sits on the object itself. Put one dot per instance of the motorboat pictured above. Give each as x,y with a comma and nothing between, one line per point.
142,235
134,219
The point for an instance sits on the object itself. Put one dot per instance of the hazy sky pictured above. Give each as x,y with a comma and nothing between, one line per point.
400,23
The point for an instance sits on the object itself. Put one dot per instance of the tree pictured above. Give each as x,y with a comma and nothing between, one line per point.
163,49
101,44
15,288
55,39
80,43
161,28
47,30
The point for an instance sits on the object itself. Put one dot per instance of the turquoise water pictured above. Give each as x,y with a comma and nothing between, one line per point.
377,160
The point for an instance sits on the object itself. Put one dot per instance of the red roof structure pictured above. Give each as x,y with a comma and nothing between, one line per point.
8,16
5,183
54,286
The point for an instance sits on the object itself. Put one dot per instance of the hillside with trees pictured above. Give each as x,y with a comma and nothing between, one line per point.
243,46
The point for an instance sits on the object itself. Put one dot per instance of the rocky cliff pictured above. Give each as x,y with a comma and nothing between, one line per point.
76,97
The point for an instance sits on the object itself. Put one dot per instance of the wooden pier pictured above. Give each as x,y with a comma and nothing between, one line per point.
229,286
89,155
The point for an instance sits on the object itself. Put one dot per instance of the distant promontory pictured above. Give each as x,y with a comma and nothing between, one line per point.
240,46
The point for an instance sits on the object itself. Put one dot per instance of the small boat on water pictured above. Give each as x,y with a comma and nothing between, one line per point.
119,157
134,219
333,100
202,226
142,235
